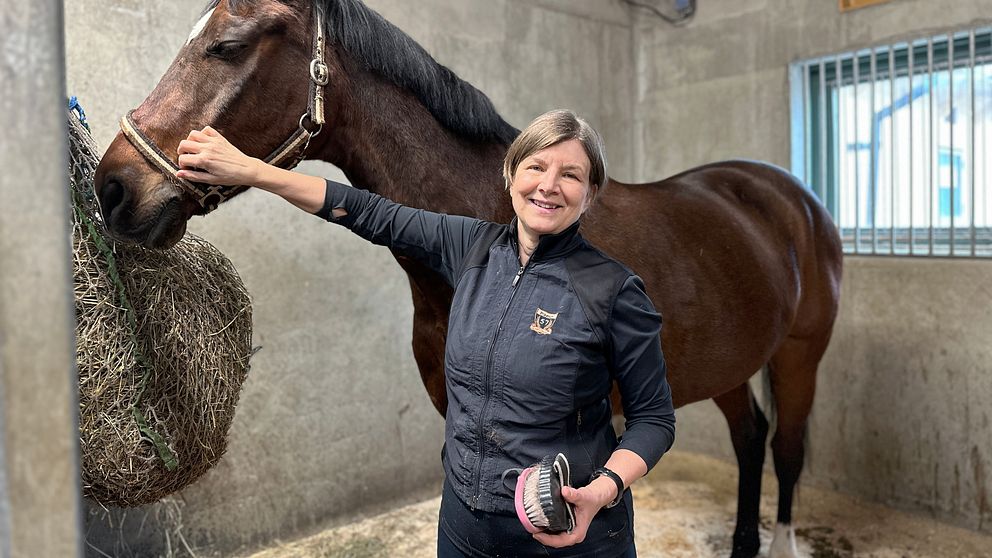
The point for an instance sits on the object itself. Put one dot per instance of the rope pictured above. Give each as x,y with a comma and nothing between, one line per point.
84,197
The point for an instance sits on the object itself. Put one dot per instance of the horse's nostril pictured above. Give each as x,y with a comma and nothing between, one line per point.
111,196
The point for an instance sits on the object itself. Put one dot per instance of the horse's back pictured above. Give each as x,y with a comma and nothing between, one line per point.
736,255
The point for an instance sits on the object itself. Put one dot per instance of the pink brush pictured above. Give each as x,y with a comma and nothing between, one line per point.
538,500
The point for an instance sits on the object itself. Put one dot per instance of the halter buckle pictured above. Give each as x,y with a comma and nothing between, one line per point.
319,72
215,192
305,121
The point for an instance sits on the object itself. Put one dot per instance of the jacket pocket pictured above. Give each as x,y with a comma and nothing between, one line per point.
610,524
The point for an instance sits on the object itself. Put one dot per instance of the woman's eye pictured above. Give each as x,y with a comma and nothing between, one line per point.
226,49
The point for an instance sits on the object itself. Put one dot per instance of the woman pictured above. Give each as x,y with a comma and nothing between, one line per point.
541,324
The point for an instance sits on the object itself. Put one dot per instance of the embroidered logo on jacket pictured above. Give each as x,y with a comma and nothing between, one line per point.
543,322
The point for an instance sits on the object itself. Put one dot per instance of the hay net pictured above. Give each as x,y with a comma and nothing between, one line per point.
163,340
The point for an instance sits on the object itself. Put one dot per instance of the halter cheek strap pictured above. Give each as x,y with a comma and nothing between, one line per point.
287,155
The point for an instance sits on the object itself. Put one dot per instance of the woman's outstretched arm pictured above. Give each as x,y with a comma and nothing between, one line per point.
206,156
438,240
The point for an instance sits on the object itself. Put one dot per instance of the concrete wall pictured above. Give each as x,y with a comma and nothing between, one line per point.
902,414
39,484
334,420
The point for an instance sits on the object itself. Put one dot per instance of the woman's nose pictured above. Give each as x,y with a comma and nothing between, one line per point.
549,183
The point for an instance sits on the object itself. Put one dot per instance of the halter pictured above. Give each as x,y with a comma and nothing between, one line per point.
209,196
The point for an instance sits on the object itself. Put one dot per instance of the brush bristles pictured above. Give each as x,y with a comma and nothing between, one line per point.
532,499
542,499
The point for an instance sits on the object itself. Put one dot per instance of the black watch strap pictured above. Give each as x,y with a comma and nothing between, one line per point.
603,471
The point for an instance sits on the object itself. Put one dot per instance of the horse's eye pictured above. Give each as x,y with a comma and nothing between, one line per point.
226,50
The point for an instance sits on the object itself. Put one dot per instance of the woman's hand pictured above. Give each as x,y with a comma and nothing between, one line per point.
206,156
588,500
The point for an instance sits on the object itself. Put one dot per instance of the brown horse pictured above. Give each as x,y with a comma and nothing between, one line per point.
742,261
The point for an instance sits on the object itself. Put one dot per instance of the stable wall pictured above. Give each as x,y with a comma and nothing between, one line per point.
333,419
902,410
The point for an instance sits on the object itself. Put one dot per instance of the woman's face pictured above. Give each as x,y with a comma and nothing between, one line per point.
550,189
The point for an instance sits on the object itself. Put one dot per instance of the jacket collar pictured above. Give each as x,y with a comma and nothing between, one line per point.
550,245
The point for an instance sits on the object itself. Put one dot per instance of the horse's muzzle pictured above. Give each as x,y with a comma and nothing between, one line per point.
137,203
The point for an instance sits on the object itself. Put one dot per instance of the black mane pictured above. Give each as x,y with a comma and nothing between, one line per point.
389,52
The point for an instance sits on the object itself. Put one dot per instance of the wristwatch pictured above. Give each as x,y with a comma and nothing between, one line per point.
603,471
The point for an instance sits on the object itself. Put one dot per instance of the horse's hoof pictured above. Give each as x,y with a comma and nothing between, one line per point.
746,544
784,543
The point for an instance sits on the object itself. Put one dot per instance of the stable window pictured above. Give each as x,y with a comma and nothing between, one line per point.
894,140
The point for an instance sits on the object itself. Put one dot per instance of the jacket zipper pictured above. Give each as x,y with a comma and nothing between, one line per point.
485,383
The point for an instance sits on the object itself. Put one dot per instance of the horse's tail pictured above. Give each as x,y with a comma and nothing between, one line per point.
768,398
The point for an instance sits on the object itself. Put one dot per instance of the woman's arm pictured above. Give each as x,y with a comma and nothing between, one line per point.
639,368
438,240
206,156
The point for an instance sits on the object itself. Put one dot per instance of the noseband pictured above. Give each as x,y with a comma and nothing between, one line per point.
287,155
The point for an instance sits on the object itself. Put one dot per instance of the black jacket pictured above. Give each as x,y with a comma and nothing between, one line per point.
532,351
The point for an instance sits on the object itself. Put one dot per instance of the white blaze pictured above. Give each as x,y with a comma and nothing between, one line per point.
198,28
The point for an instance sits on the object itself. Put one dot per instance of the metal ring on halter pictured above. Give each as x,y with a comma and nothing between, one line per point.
306,116
319,72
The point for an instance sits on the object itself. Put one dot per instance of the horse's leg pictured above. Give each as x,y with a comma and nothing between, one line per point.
431,301
748,431
793,380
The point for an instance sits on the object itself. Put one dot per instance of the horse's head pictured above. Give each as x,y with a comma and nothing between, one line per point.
245,70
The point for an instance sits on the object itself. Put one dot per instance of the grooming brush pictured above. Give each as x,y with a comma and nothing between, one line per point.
538,500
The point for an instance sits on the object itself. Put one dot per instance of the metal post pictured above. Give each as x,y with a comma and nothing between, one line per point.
912,128
873,157
823,132
839,79
807,134
39,471
892,149
972,166
950,123
986,191
857,165
932,168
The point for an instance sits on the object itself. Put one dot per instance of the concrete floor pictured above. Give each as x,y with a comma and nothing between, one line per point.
684,509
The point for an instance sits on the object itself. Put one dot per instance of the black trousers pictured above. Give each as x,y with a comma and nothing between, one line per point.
447,549
481,535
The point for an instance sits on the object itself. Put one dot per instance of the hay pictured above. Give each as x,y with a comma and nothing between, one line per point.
163,340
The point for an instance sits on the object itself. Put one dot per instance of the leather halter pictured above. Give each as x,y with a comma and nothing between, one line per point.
292,151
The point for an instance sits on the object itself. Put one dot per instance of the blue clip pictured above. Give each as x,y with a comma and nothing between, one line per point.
78,109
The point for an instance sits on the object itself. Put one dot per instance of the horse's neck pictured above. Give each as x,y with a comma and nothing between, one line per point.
386,142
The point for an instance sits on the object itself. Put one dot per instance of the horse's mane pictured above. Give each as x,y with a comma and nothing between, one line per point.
389,52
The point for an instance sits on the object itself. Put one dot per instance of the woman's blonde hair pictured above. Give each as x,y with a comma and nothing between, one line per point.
552,128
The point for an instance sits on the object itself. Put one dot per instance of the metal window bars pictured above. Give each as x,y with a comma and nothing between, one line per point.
894,140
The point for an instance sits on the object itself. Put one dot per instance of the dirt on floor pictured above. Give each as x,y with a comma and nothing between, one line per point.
685,509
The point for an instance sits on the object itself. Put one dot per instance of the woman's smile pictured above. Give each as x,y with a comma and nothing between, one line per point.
546,206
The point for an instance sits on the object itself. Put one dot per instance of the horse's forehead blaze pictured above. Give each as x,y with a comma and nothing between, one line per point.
198,27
